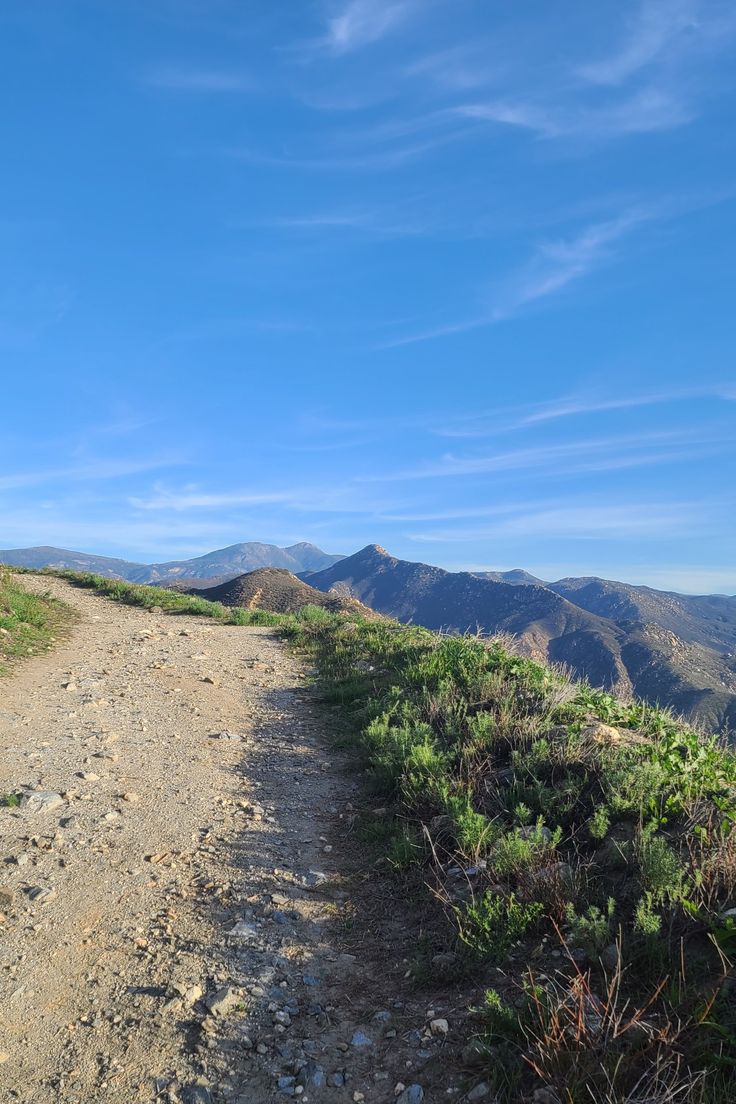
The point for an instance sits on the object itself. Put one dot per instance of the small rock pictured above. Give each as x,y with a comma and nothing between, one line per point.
314,878
610,957
43,801
131,797
311,1076
196,1094
224,1001
439,1027
478,1092
212,680
41,895
412,1094
360,1039
244,931
445,964
545,1096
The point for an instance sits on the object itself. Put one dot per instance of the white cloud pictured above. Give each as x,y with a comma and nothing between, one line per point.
657,26
645,111
89,472
360,23
554,266
582,522
594,454
191,499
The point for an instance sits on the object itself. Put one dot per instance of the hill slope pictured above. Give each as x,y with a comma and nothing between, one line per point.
643,658
700,619
277,590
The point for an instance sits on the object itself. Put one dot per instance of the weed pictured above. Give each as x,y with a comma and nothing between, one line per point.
491,925
592,929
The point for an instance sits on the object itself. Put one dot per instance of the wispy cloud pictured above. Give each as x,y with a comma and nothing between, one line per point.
643,112
582,522
594,454
91,471
503,420
554,265
183,79
192,499
457,68
361,23
655,28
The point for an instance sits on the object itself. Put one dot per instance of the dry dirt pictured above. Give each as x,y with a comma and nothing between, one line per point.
174,928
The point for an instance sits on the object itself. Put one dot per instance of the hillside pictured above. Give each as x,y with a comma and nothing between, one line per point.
699,619
66,560
278,591
645,659
222,564
517,577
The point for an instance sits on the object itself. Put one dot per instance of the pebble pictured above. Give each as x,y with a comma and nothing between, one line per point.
412,1094
439,1027
610,957
41,895
478,1092
196,1094
225,1000
43,801
360,1039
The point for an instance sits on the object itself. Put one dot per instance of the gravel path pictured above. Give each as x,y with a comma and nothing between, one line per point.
174,912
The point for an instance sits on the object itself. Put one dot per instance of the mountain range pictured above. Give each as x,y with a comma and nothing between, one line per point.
672,649
216,567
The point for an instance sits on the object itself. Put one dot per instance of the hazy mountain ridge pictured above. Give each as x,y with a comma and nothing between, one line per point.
223,563
631,655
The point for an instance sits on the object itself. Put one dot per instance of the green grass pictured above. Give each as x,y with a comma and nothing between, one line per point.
493,760
29,623
170,601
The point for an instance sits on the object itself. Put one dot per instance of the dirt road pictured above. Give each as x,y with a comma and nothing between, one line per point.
174,912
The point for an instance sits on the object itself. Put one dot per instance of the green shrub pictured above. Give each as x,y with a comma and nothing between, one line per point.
592,929
491,925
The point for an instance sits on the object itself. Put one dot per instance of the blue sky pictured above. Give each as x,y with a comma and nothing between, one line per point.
454,276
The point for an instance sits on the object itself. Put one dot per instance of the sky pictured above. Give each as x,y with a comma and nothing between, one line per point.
451,276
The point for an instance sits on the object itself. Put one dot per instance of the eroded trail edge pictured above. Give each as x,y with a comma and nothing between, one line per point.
175,894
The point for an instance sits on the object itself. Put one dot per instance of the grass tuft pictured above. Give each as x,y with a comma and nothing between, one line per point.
29,623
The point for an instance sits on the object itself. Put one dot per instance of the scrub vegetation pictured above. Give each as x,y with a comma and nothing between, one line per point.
583,845
29,623
581,851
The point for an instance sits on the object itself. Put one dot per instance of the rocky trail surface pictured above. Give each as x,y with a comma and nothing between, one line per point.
178,909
